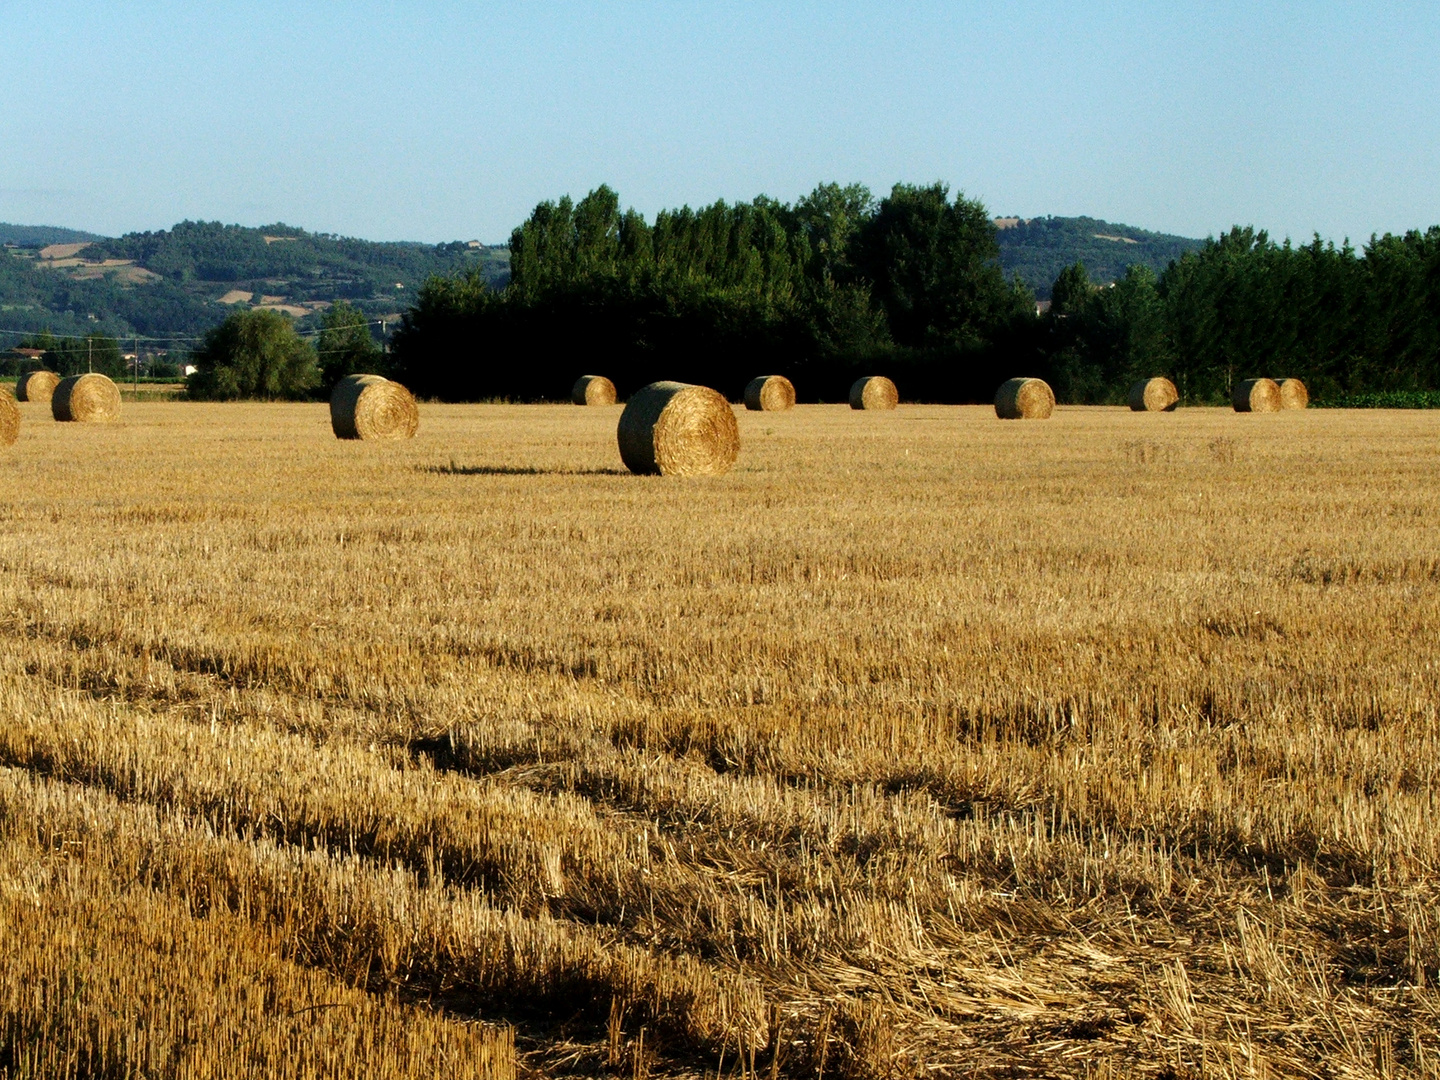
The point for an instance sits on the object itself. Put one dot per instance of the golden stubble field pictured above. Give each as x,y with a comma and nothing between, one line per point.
922,744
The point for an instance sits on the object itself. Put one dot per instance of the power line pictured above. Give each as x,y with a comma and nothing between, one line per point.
170,338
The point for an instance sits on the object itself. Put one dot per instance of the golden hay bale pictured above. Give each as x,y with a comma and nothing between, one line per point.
1293,394
1256,395
9,419
1154,395
1024,399
676,429
92,398
372,407
36,386
874,392
593,390
769,393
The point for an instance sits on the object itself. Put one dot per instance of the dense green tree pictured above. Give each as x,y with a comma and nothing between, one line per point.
716,294
1399,345
838,284
253,354
1102,340
829,218
1072,291
346,346
934,267
1244,306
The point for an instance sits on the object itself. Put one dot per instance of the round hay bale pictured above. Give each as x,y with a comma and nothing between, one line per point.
593,390
874,392
676,429
1293,394
1256,395
36,386
9,419
1154,395
769,393
1024,399
372,407
91,398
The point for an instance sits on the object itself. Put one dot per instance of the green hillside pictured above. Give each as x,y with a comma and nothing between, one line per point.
179,282
1039,248
41,235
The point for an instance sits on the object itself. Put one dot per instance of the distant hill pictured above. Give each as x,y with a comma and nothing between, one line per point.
41,235
1039,248
179,282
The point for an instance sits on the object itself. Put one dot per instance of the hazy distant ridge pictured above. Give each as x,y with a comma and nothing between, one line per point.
1039,248
41,235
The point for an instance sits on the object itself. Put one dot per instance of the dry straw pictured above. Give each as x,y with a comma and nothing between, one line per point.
593,390
676,429
372,407
1293,394
9,419
1154,395
1024,399
90,398
769,393
1257,395
36,386
874,392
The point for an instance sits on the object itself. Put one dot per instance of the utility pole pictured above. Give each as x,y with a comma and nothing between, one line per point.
91,361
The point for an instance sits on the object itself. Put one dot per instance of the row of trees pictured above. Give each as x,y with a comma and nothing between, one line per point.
71,355
252,354
835,285
841,284
1347,323
910,286
257,353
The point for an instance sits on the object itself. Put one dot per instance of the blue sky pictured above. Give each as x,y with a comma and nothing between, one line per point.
438,121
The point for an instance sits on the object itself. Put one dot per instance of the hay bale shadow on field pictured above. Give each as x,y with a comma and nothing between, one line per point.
456,469
1222,450
1147,452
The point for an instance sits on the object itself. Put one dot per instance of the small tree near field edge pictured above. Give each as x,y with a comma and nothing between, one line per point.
253,354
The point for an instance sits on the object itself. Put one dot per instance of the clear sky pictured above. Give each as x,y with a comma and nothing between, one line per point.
439,121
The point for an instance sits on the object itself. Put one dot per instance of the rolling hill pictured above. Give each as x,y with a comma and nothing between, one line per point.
1039,248
41,235
178,282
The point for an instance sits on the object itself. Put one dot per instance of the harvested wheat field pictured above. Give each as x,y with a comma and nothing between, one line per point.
942,748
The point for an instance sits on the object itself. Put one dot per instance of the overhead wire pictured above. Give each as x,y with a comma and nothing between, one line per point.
177,338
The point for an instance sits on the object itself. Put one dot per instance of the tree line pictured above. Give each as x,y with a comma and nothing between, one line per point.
253,354
841,284
1354,326
835,285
